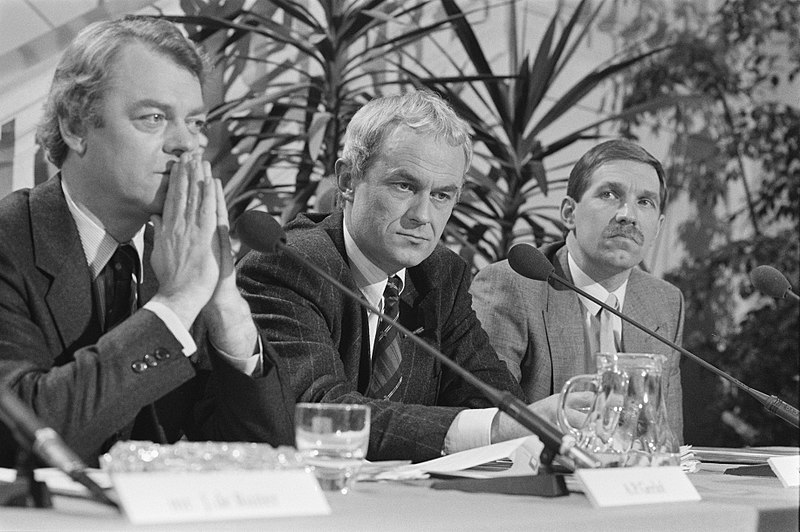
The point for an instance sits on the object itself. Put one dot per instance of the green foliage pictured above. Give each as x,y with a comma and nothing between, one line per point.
508,113
306,68
736,141
760,349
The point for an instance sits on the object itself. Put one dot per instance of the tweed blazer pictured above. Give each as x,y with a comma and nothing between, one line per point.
84,383
322,336
536,327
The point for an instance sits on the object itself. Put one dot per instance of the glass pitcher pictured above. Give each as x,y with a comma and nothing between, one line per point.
626,424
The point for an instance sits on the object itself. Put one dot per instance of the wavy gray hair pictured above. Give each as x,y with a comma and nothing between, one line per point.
82,76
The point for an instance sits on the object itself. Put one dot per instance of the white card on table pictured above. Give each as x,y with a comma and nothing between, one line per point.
636,485
171,497
787,469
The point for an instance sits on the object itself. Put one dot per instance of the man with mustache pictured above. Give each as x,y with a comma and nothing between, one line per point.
401,171
546,334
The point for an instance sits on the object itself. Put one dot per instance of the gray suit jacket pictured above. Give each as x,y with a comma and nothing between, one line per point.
322,336
81,382
536,327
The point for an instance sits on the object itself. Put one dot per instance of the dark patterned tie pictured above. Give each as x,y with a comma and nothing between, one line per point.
386,355
122,274
120,278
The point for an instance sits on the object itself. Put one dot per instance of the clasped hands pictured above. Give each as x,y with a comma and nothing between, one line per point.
193,259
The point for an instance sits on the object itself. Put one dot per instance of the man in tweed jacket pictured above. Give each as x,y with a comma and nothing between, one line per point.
401,172
613,211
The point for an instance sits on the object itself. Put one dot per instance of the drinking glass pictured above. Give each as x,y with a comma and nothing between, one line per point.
333,441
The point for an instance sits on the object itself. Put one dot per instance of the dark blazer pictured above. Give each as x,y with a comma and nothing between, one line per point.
84,383
536,327
322,336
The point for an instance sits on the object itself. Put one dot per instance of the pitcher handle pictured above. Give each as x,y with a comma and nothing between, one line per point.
561,413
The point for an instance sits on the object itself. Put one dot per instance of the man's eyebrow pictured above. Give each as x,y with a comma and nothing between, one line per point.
405,174
620,187
650,194
448,188
151,102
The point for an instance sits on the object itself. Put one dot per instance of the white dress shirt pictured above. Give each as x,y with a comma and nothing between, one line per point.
471,428
591,287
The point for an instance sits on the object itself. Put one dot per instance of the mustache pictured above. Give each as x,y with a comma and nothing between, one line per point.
625,230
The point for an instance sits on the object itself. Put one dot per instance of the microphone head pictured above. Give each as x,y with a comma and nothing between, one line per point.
769,281
258,230
529,262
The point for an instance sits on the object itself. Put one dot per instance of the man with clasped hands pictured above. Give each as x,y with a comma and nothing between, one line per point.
401,171
122,123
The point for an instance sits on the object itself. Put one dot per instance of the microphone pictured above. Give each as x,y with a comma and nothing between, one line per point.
259,231
771,282
529,262
45,442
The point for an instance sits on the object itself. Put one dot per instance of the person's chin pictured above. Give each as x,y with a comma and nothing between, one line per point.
411,258
622,260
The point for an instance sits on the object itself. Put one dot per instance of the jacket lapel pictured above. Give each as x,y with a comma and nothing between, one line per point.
642,307
565,333
59,255
332,224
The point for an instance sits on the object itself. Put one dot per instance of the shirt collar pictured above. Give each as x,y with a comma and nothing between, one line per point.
370,279
590,286
98,245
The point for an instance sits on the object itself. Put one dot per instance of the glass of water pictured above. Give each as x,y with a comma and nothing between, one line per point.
333,440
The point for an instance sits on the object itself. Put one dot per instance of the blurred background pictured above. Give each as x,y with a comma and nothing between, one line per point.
710,87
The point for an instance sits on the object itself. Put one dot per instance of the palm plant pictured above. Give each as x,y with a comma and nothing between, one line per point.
311,65
507,116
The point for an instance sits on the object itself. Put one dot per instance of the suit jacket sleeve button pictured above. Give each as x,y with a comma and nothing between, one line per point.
138,366
161,353
151,360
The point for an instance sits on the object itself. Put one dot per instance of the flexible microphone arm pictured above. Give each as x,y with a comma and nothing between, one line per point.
529,262
261,232
46,443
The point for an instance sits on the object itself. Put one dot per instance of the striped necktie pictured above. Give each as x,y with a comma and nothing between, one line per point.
386,355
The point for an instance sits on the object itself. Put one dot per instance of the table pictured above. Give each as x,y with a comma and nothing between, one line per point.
729,503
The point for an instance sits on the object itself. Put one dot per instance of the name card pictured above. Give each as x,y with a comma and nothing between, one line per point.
636,485
169,497
787,469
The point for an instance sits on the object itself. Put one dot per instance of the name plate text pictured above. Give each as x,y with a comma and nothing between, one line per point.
636,485
170,497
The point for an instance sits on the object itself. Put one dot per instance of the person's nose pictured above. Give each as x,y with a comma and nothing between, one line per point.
625,213
180,139
420,210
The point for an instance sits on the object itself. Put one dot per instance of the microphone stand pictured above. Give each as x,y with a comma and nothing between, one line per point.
25,490
548,485
44,442
771,403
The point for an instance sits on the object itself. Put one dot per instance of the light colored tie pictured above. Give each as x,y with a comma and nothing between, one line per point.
608,343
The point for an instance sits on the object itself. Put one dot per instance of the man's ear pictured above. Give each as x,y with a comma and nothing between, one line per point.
344,179
73,135
661,219
568,212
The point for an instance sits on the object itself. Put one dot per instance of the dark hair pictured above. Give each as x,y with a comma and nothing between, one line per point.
82,75
613,150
